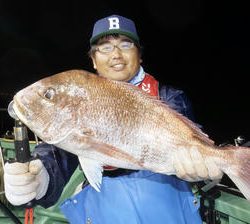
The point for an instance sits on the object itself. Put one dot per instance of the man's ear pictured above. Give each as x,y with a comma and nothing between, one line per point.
93,61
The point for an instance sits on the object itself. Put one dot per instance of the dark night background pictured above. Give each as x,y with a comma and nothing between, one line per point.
199,46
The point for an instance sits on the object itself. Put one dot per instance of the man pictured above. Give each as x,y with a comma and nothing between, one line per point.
126,196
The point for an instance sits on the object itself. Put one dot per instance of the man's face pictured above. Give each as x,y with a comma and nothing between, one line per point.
115,63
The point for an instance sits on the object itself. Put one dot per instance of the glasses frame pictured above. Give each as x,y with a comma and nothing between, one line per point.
115,46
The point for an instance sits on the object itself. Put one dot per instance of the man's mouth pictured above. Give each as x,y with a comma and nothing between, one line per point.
118,67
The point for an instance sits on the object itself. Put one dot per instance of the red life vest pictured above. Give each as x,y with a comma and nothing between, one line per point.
151,86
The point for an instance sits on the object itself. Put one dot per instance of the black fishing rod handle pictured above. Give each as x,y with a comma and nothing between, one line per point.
22,149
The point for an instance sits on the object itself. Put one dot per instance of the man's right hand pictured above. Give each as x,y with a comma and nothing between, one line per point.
25,181
191,166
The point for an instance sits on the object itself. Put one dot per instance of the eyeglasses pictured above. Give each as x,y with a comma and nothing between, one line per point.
108,47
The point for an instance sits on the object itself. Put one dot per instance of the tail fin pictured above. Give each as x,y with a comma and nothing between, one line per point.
239,170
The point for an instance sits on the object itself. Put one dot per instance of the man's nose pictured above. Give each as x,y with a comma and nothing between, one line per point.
117,51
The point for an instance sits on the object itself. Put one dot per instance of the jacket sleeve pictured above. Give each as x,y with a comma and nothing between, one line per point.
177,100
60,166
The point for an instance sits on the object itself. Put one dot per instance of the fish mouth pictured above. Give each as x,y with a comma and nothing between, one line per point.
18,111
11,111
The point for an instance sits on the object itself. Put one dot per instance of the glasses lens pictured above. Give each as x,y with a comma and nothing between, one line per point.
125,45
106,48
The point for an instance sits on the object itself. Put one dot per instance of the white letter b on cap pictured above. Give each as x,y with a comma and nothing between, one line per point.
114,23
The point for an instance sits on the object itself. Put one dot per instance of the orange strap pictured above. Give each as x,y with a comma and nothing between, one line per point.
28,219
150,85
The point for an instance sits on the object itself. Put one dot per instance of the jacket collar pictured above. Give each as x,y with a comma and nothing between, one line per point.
137,79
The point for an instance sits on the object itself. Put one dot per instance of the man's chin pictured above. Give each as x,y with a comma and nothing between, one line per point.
118,76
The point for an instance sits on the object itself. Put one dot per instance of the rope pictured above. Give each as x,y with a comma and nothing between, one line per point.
28,219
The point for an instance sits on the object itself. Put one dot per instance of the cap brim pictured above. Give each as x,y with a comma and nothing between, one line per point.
125,33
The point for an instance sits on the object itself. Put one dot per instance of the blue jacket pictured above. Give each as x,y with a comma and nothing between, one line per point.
139,197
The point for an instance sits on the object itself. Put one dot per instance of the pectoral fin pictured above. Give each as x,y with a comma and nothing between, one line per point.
85,143
93,171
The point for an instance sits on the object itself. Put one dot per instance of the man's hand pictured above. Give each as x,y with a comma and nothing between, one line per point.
25,181
190,165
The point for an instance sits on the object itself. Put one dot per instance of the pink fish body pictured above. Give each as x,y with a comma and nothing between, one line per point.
107,122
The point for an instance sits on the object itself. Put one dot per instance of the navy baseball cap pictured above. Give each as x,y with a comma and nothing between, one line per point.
114,24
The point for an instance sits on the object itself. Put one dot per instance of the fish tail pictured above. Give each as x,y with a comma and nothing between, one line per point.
239,169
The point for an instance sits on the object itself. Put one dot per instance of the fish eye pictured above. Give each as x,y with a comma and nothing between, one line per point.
49,93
